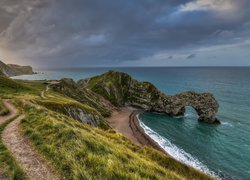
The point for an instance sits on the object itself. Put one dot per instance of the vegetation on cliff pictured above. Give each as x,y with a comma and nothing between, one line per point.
80,151
88,150
122,90
3,109
71,89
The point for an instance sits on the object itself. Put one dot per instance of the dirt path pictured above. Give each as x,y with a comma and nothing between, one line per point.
12,111
43,92
35,167
47,88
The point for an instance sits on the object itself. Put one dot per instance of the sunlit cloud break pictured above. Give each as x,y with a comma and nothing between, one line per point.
222,6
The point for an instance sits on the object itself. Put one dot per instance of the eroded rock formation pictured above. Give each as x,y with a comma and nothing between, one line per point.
14,70
120,89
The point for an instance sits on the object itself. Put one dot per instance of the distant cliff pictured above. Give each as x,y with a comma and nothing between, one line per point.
116,89
14,70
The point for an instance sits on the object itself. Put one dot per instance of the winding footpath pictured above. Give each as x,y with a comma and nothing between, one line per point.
12,112
34,165
43,92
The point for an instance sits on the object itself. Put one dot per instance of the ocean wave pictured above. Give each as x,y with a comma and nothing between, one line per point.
177,153
191,115
187,115
227,124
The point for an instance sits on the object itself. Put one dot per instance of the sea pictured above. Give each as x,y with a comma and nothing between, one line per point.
219,150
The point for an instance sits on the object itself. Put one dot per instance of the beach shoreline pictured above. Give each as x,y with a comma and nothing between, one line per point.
125,121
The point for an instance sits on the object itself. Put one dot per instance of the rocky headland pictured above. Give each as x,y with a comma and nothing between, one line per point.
10,70
116,89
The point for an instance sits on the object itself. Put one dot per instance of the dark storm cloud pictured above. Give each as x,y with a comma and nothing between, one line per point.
88,32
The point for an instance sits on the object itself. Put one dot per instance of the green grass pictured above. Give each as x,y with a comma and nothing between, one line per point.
10,86
65,106
3,109
79,151
8,165
20,89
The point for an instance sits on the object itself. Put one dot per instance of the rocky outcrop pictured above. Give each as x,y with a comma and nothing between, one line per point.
204,104
116,89
21,70
83,95
121,90
77,111
14,70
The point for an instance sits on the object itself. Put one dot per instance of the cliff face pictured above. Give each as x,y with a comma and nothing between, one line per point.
14,70
5,70
20,70
77,111
90,98
119,89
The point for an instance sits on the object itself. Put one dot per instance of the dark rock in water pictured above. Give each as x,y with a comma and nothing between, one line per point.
120,89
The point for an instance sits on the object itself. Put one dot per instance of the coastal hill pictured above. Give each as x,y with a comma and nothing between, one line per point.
117,89
14,70
71,137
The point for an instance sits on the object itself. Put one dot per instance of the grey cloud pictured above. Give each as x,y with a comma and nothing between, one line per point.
88,32
191,56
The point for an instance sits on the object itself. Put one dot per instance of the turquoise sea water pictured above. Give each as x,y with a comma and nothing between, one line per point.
222,150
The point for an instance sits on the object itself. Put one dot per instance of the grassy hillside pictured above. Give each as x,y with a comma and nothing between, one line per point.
3,109
76,110
8,86
78,150
71,89
1,73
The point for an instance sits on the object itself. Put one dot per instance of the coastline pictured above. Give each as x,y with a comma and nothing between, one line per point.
125,121
140,134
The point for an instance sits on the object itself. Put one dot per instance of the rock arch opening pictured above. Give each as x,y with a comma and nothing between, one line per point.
190,113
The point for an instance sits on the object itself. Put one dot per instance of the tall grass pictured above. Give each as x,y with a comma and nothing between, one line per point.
79,151
3,109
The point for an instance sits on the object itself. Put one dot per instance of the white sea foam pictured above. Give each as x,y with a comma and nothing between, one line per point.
177,153
191,115
227,124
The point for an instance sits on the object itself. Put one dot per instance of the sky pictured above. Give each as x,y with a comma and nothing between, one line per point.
83,33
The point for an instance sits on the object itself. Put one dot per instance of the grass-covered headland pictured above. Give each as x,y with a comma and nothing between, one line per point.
81,146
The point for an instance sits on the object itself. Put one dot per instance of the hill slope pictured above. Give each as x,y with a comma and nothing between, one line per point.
78,150
91,153
14,70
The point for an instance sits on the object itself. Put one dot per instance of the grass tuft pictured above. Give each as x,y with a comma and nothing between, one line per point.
3,110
